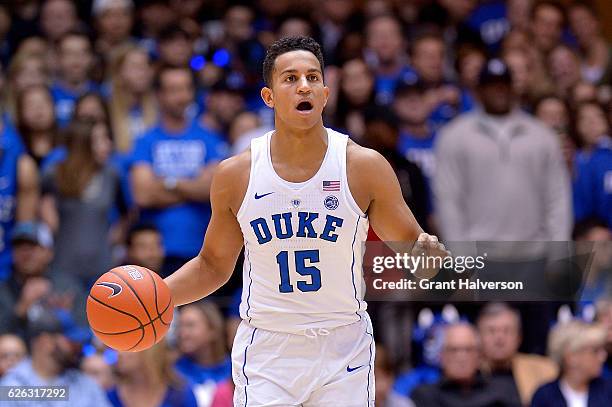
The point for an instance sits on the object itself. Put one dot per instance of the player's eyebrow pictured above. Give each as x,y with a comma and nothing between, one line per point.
311,70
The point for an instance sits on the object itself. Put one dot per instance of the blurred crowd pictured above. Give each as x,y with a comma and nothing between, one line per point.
495,115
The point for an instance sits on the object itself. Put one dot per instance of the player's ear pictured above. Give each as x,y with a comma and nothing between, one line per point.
267,96
326,94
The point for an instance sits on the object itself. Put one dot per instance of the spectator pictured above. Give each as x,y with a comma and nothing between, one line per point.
592,137
25,70
470,60
564,68
427,55
603,315
547,22
55,345
594,235
113,20
295,26
91,106
386,55
554,111
596,52
154,16
75,61
243,129
578,349
174,47
172,171
96,367
382,134
132,101
201,341
147,378
523,74
57,17
582,92
416,135
592,129
355,93
12,351
78,195
36,122
19,193
223,103
518,13
593,189
485,139
385,376
145,247
31,285
462,384
499,327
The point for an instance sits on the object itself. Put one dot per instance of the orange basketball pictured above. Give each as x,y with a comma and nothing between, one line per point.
129,308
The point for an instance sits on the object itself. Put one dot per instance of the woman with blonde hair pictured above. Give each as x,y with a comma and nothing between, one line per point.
132,103
148,379
578,348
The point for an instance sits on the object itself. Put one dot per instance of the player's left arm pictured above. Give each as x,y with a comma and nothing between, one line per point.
373,181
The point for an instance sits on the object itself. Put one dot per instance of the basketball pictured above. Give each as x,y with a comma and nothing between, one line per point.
129,308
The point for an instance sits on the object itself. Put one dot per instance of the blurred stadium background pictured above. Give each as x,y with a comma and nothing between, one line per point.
114,114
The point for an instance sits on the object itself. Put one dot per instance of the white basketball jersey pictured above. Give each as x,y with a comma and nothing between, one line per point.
303,245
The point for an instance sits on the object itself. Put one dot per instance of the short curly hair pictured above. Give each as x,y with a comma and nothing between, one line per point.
288,44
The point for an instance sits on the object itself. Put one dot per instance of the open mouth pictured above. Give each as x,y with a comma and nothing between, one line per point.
304,106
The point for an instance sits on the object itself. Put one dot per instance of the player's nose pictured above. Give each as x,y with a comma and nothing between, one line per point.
303,85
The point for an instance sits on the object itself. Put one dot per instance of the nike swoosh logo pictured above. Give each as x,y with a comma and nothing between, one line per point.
261,196
113,286
352,369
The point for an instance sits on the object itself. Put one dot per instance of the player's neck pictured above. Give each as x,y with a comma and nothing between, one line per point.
298,145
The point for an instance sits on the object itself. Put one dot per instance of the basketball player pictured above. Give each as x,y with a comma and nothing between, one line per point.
299,201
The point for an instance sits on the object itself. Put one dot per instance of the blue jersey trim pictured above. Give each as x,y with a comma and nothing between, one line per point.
353,266
369,364
250,282
246,399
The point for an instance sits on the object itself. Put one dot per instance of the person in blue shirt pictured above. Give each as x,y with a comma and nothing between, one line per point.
75,60
385,54
593,164
428,59
202,342
172,166
416,135
147,378
18,190
593,188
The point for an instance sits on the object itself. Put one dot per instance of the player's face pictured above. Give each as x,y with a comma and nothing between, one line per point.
297,92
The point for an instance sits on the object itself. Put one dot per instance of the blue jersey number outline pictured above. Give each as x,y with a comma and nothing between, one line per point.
301,256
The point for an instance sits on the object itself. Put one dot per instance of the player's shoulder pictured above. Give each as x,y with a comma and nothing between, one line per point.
361,157
366,167
231,179
235,167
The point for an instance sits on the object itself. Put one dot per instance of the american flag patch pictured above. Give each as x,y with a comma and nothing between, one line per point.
331,185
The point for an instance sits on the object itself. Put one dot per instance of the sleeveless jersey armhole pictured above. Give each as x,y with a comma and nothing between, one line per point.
347,191
255,150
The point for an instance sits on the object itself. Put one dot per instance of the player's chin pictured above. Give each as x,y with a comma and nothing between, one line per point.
305,118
